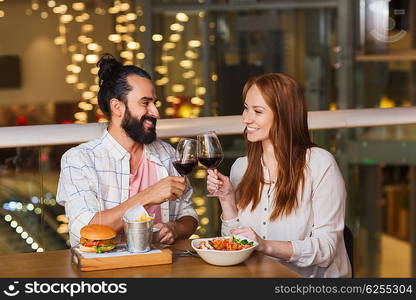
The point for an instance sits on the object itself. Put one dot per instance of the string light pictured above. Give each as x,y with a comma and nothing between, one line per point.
167,58
99,11
94,71
87,28
157,37
121,28
51,3
189,74
88,95
71,79
128,55
131,16
114,10
140,55
201,90
204,221
78,6
60,40
121,19
81,85
161,69
182,17
78,57
187,64
116,38
124,6
178,88
194,43
35,6
162,81
177,27
133,45
197,101
66,18
170,111
127,38
94,88
76,69
81,117
191,54
92,46
91,58
168,46
21,231
175,37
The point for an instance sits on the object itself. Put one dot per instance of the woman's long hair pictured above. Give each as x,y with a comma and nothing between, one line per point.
290,138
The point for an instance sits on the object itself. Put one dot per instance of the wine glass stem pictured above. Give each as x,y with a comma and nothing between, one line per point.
212,194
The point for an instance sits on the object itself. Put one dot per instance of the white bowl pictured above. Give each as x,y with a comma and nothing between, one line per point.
223,258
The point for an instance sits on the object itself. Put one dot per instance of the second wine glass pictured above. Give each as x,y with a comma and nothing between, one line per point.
210,153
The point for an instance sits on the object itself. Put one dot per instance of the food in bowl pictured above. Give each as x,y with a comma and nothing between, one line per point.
225,244
219,250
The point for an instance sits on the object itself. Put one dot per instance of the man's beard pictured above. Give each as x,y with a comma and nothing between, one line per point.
135,130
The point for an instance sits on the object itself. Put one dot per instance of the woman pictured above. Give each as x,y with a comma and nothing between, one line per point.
287,194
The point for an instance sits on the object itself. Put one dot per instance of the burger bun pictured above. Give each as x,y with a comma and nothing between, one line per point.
97,232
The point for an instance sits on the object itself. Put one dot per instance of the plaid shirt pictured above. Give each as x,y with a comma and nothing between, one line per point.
95,177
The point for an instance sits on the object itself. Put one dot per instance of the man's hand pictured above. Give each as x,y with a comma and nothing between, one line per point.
168,232
169,188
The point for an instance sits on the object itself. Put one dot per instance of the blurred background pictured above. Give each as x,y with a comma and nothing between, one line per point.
346,55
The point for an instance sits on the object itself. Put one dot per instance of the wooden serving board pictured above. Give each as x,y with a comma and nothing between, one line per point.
119,259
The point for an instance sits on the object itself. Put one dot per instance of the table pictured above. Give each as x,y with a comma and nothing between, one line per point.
57,264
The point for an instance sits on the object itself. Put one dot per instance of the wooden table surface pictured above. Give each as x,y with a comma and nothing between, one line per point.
57,264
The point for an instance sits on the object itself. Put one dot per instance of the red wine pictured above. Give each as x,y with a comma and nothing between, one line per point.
211,162
184,167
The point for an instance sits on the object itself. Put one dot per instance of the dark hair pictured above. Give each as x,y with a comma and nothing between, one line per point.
113,83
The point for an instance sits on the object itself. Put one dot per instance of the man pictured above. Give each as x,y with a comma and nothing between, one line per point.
102,179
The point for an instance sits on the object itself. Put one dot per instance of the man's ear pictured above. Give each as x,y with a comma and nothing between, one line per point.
117,107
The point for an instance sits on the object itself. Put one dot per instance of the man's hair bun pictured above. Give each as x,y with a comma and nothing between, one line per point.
109,67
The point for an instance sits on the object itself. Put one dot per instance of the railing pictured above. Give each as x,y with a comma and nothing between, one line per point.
44,135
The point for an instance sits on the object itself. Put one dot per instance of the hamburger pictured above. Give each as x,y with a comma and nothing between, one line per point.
97,238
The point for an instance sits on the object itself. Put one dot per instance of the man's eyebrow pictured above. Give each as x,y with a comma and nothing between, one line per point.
149,99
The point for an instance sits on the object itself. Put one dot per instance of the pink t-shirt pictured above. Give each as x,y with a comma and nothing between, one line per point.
144,177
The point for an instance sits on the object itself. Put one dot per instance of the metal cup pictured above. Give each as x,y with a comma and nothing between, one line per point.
155,236
139,236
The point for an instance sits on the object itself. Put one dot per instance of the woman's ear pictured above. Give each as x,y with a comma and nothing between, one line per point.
117,108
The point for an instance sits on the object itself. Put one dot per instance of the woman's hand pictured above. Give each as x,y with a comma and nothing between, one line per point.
219,185
250,234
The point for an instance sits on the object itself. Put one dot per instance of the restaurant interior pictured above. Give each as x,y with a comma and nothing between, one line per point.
200,53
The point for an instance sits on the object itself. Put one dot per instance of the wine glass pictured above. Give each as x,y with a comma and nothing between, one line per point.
185,157
210,153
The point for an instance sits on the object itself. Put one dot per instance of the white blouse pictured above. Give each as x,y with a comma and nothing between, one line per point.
315,228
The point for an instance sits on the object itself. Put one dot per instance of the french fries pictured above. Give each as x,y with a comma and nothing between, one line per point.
144,218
